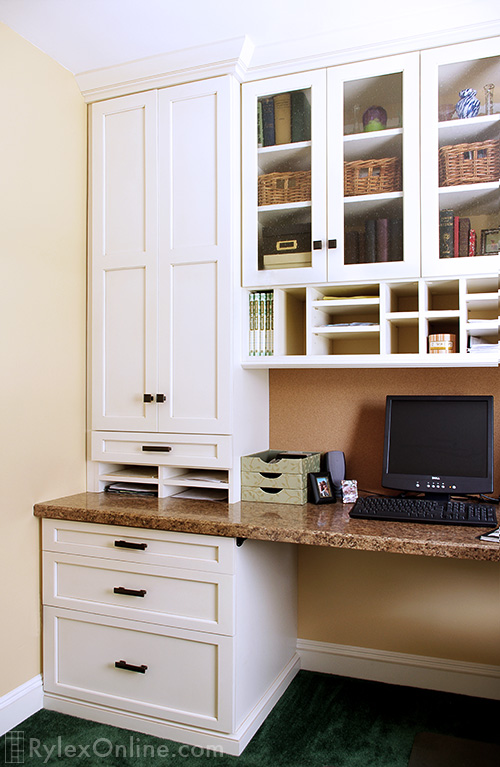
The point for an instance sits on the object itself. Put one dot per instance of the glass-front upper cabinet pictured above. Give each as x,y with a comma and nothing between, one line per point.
284,180
461,159
373,169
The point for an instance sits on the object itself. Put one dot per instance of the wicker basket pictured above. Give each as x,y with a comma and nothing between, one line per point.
276,188
469,163
372,176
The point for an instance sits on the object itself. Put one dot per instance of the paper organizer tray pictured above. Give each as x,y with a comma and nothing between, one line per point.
274,476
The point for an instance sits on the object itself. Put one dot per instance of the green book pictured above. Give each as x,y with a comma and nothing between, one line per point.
301,116
260,125
446,238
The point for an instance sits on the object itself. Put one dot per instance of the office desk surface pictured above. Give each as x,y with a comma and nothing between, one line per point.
322,525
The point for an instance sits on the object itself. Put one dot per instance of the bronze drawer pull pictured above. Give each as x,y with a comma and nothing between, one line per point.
156,449
130,592
130,545
129,667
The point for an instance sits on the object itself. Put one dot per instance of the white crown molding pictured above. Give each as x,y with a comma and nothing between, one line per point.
225,57
17,705
475,679
239,58
275,60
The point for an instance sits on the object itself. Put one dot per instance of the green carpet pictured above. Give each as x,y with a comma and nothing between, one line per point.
321,721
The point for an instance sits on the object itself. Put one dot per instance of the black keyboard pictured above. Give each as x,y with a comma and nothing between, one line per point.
423,510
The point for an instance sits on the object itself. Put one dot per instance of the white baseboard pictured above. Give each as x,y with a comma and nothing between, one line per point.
17,705
476,679
229,743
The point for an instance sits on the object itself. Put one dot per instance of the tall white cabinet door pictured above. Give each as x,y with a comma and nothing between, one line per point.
284,180
373,215
124,256
460,178
196,143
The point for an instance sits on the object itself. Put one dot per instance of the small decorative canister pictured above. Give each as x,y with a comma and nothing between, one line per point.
468,105
442,343
374,118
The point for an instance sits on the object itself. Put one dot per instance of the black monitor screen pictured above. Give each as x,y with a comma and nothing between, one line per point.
439,444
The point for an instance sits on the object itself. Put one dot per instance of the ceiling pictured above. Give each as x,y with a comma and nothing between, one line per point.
83,35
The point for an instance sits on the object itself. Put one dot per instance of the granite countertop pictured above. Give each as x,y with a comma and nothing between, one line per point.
322,525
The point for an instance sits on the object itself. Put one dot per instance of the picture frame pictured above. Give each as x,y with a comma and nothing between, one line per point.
490,241
321,488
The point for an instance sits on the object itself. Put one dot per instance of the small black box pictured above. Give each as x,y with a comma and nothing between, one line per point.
296,238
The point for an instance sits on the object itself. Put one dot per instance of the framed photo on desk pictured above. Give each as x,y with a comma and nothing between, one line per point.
321,487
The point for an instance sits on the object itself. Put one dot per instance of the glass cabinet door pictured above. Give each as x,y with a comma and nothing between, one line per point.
461,159
284,180
373,169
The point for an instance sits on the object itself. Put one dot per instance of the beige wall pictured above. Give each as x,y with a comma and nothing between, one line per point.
42,326
413,604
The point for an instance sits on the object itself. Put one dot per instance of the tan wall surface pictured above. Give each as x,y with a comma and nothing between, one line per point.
435,607
42,320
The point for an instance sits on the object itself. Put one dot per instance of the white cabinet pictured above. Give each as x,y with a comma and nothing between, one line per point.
162,237
372,282
370,227
379,324
167,393
460,161
176,635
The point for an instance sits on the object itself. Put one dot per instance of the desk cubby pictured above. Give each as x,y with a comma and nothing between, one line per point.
164,480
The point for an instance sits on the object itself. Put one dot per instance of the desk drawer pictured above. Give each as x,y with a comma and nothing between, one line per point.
188,551
197,450
185,675
160,595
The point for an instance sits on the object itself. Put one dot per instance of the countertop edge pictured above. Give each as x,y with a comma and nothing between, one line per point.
474,550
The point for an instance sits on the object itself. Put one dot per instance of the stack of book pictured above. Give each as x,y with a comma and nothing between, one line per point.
283,119
479,345
456,238
381,240
261,323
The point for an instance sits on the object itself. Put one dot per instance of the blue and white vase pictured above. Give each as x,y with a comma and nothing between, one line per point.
468,105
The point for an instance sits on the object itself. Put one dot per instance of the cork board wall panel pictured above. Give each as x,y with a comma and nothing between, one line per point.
337,409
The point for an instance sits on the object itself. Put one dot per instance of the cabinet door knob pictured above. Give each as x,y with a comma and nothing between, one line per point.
332,243
148,398
129,592
129,667
317,244
161,397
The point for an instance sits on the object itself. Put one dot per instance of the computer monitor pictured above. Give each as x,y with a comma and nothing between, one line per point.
439,445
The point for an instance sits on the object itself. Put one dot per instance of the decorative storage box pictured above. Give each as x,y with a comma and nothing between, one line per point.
277,188
282,249
372,176
469,163
274,476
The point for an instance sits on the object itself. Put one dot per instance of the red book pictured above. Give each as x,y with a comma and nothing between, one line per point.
472,242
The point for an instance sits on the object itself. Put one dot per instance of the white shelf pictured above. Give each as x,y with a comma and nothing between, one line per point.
464,131
373,144
375,361
317,324
346,304
343,331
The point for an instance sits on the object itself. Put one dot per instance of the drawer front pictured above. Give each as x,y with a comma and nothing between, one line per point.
281,481
197,450
273,495
160,595
189,551
173,674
